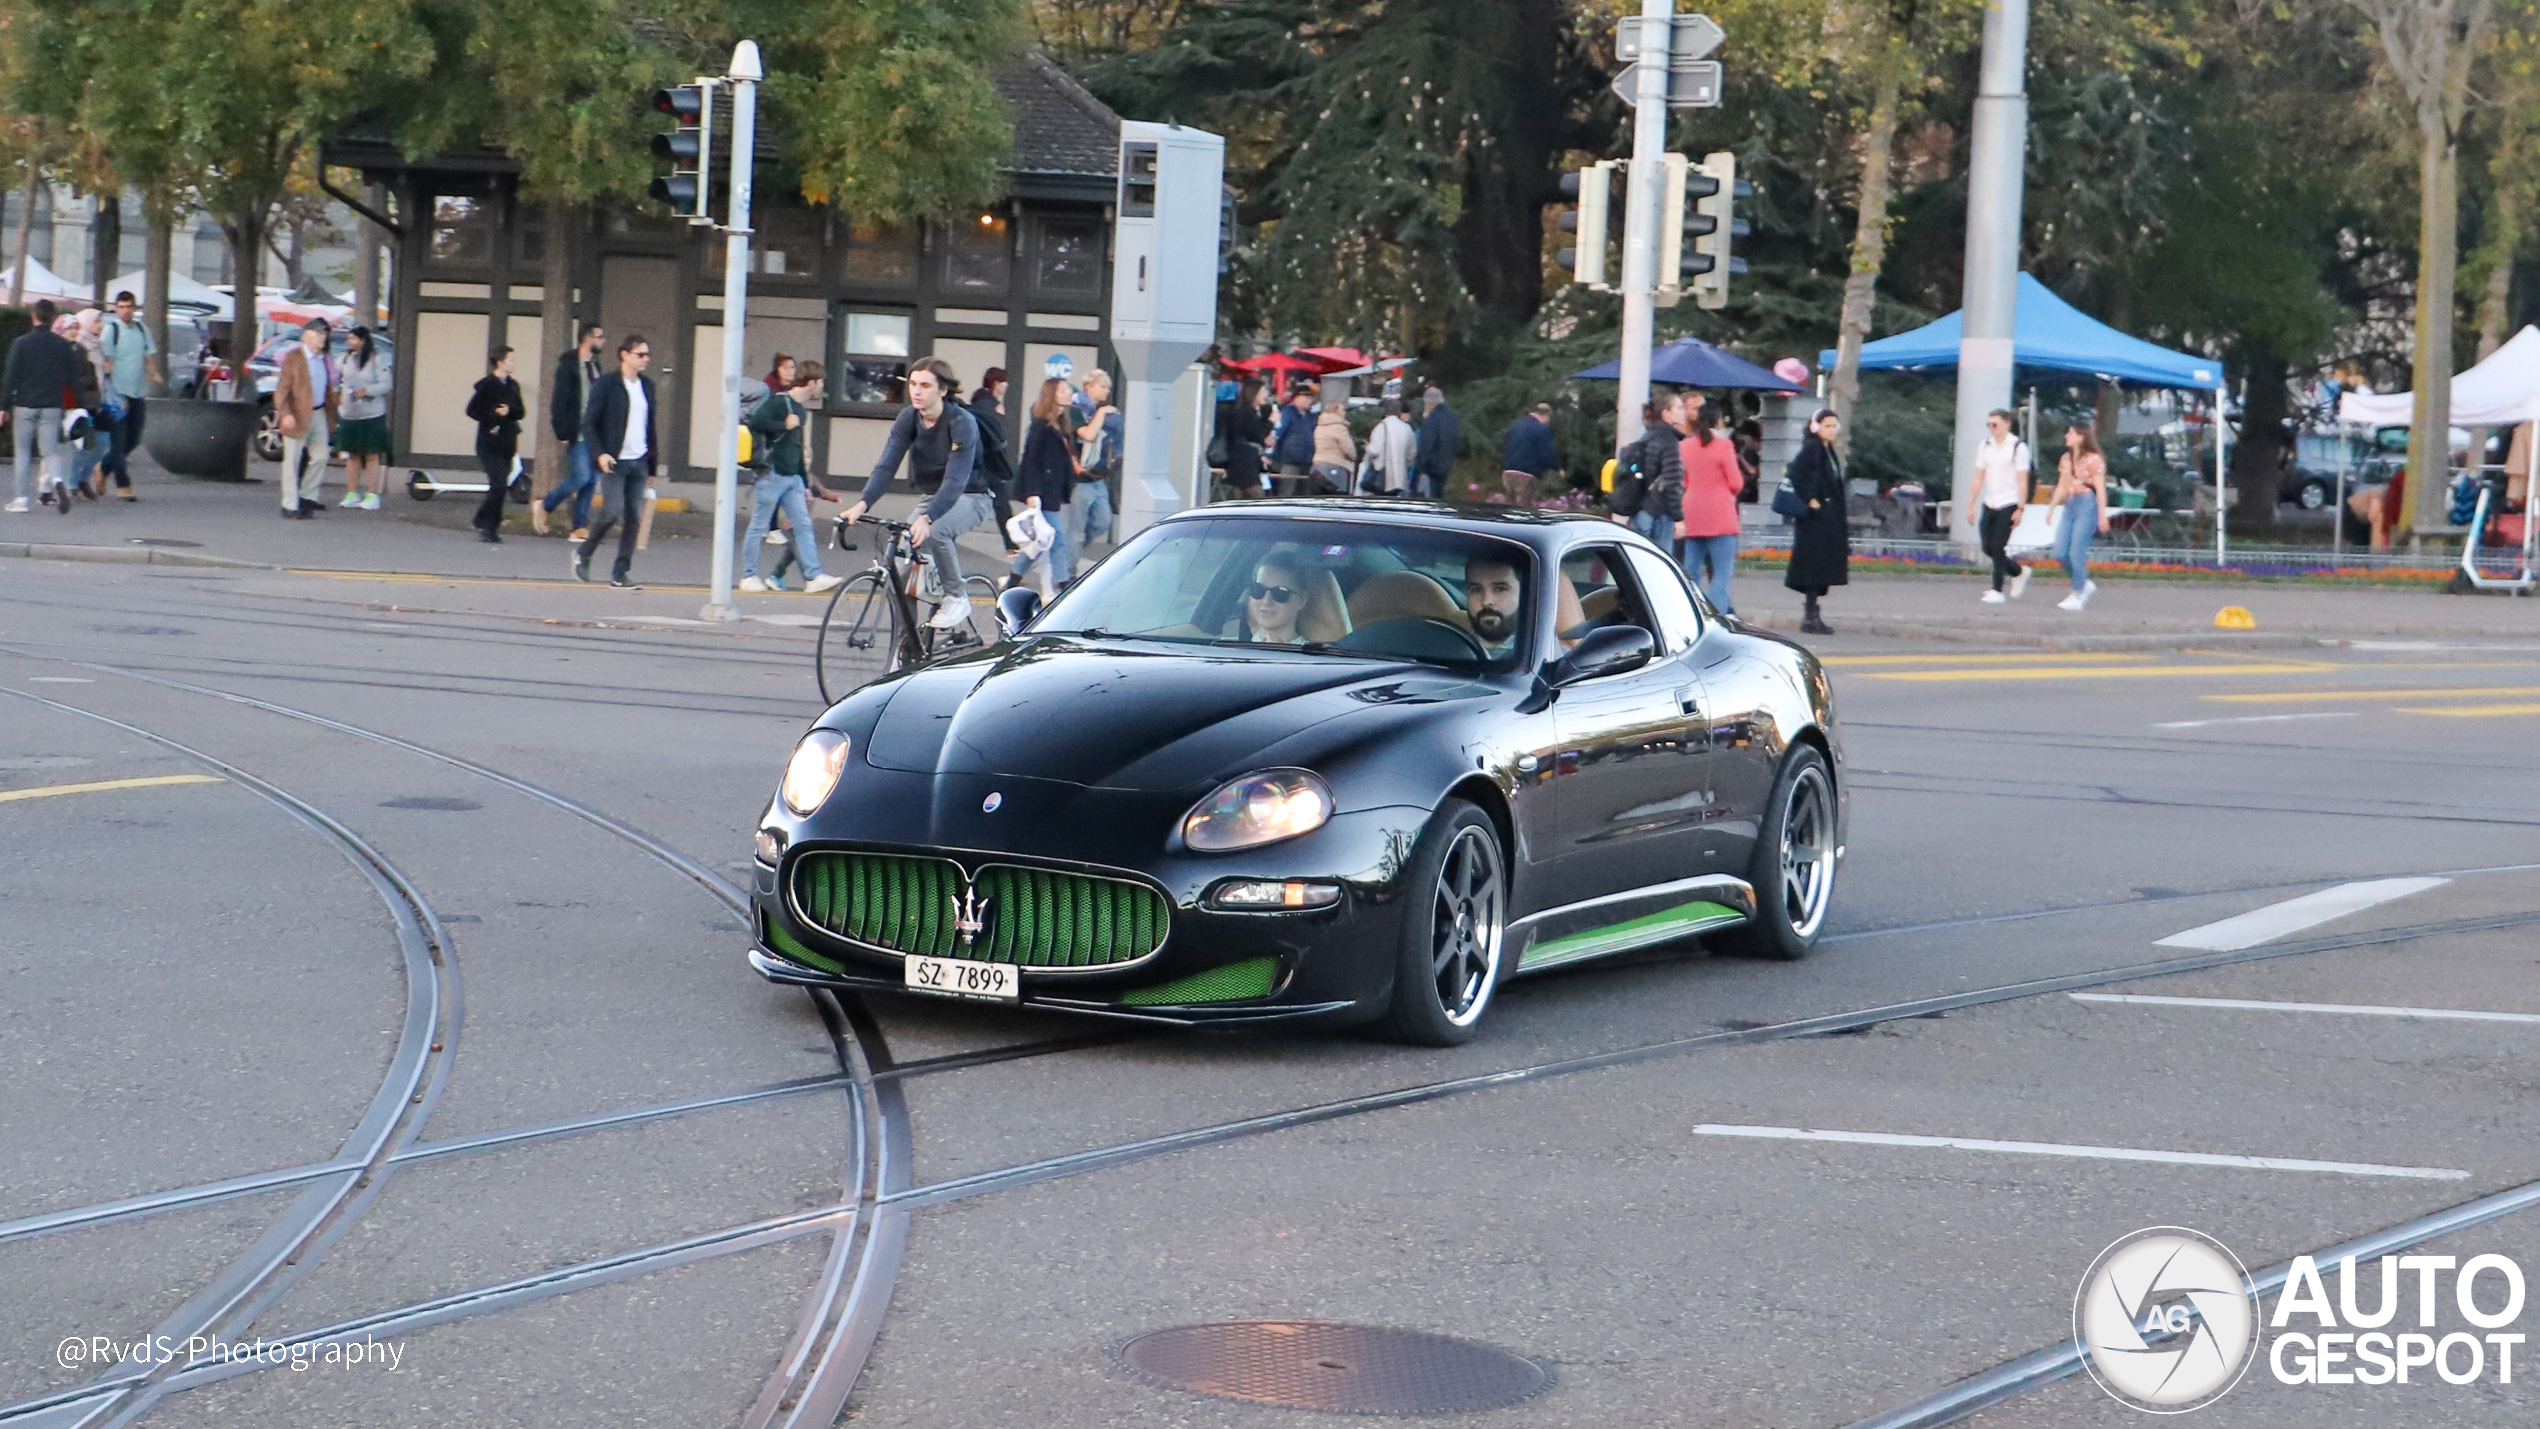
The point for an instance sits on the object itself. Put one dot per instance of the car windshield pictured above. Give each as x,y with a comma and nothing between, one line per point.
1367,589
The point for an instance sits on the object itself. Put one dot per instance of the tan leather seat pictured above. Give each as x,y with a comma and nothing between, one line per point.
1403,595
1598,604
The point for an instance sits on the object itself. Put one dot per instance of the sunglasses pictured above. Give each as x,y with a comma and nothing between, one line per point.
1277,593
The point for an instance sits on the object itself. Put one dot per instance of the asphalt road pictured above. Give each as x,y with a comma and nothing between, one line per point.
444,1030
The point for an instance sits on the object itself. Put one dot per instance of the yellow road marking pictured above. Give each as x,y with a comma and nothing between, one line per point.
2295,697
2029,659
2478,711
2103,672
11,795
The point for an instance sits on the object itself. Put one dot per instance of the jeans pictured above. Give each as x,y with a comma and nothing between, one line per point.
37,431
92,450
1994,529
1088,516
582,477
2072,541
786,491
127,434
623,492
1059,560
310,488
1656,527
1711,560
969,512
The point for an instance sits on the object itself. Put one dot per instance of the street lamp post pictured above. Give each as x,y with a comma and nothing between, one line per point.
1994,175
744,75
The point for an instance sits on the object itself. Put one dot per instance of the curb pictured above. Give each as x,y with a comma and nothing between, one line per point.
2071,644
122,556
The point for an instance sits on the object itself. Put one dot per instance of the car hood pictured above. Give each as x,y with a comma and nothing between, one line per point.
1117,715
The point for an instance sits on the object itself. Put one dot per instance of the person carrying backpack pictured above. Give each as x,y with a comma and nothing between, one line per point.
776,432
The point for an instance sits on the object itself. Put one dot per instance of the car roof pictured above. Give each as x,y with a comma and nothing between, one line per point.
1547,530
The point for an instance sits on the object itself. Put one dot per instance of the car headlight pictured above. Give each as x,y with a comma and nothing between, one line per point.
814,770
1259,809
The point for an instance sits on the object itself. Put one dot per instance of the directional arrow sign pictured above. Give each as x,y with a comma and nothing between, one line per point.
1691,37
1694,85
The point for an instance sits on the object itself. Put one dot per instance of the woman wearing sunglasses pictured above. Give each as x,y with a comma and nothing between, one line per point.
1287,605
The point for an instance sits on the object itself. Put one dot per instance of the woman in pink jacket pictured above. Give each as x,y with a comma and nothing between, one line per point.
1709,530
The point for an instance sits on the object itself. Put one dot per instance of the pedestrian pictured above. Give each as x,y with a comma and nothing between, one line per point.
1993,507
41,366
306,394
1750,459
1820,538
940,440
132,357
1045,481
363,436
996,450
1246,428
1528,455
620,427
1713,478
1335,449
576,377
776,429
1641,467
496,409
1099,438
1441,442
2081,489
1391,451
1292,445
92,405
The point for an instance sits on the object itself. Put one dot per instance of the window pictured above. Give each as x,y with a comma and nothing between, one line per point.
977,252
1067,259
1596,592
789,240
1679,621
877,354
462,230
880,253
529,238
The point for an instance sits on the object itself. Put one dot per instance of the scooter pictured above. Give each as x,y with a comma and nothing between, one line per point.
423,485
2491,500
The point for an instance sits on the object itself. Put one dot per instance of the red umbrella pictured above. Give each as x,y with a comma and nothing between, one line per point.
1335,359
1279,366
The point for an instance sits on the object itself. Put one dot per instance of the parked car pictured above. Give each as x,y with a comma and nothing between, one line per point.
266,368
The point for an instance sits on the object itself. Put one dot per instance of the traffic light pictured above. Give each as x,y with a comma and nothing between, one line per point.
689,148
1592,190
1715,189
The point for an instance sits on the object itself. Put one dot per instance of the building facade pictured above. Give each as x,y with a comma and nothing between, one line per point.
1018,285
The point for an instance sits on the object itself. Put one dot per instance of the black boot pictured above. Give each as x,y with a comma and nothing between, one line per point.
1810,623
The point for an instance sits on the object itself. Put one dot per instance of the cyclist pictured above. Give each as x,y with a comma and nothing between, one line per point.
940,439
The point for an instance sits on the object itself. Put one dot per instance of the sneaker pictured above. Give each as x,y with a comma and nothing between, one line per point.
753,585
817,584
1994,597
2070,602
62,500
45,496
581,566
2019,583
952,614
491,538
2089,588
580,533
776,538
16,508
623,583
370,501
351,498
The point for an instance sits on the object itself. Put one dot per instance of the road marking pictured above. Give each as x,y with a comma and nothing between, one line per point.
2292,697
2091,672
2251,719
2026,658
2349,1009
58,680
2293,915
2477,711
13,795
2089,1153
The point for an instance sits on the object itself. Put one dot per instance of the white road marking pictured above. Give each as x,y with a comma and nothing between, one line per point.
2293,915
2091,1153
2252,719
2350,1009
58,680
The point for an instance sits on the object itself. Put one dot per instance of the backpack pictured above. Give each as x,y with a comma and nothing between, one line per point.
754,395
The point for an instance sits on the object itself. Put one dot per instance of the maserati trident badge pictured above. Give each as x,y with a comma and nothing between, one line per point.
970,915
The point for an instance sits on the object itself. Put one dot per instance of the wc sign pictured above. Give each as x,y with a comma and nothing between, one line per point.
1059,365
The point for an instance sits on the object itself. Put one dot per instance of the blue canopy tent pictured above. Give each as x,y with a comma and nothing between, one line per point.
2052,337
1691,362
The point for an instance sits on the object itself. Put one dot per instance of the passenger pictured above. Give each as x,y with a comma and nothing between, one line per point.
1494,598
1289,604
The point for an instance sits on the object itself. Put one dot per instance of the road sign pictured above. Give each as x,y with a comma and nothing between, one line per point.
1690,85
1690,38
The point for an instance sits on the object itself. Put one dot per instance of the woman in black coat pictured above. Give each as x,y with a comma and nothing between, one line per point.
495,407
1820,540
1045,476
1246,428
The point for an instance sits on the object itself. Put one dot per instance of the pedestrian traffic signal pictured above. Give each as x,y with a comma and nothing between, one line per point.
1713,225
689,148
1591,190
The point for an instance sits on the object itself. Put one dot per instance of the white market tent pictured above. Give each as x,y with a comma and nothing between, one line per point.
181,289
41,282
2503,391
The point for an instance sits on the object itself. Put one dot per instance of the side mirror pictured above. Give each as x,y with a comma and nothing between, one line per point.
1016,609
1609,651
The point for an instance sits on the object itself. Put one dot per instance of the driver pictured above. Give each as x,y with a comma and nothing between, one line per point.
1493,597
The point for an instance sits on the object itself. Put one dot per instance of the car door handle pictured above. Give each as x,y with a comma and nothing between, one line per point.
1689,700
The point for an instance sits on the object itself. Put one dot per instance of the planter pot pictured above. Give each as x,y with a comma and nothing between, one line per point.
200,438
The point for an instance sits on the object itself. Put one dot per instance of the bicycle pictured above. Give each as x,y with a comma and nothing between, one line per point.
878,609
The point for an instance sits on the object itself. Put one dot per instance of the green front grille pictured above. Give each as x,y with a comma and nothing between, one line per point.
1235,982
1033,917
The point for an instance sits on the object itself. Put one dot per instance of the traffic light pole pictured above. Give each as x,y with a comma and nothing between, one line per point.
744,75
1640,217
1995,174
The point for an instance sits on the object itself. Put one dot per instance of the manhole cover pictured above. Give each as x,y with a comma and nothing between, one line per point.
423,801
1342,1369
163,541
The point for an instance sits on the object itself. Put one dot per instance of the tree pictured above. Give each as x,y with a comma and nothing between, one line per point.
2430,48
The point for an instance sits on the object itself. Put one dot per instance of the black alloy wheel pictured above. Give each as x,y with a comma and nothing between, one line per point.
1455,921
1794,863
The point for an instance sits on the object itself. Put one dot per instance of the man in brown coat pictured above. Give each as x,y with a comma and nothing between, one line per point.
305,397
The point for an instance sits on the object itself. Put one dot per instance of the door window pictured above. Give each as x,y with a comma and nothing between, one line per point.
1679,624
1597,590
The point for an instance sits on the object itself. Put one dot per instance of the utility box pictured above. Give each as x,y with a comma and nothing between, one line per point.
1164,272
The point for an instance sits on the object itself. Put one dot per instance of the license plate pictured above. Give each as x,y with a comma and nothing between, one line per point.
960,978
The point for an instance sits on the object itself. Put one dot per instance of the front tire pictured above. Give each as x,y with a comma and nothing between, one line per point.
1794,863
1455,921
862,623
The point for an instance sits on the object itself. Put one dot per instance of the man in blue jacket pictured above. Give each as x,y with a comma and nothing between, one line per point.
940,439
1441,442
1528,455
1292,444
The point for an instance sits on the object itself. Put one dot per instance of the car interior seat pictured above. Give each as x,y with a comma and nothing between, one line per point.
1404,595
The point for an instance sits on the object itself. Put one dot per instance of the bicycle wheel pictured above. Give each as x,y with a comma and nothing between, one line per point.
858,631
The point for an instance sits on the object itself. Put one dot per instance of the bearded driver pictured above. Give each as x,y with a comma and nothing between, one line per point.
1493,596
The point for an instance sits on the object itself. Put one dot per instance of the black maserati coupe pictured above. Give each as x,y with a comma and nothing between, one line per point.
1344,759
